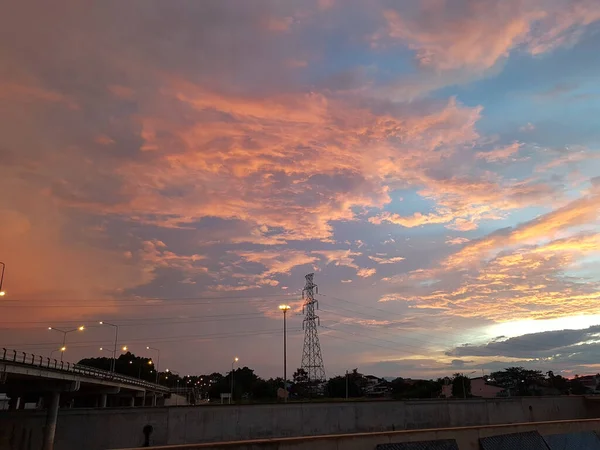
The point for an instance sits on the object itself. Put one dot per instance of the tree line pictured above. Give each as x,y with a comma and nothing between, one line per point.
247,386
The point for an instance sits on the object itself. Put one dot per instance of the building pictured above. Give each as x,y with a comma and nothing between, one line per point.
479,388
590,382
376,387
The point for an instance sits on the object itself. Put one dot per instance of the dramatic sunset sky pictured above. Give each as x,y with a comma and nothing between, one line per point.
177,167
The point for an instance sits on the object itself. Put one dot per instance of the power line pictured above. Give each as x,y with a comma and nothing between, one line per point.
155,321
165,301
151,340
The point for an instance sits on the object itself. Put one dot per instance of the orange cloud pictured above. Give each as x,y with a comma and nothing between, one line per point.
464,201
122,92
244,158
275,263
477,34
514,273
103,139
32,92
386,260
345,258
500,154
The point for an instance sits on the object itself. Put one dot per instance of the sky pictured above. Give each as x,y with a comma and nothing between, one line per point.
177,168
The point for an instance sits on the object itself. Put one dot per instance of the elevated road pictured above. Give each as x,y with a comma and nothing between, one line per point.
27,376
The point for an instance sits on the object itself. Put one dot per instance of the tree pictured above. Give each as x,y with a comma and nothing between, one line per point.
461,386
300,376
336,386
126,364
558,382
417,389
266,389
577,387
519,381
244,381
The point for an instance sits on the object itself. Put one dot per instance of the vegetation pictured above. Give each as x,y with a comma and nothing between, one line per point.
247,386
461,386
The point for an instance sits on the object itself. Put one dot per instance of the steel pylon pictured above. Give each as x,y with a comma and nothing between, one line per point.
312,359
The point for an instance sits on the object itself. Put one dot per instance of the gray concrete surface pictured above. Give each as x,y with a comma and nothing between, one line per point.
467,438
96,429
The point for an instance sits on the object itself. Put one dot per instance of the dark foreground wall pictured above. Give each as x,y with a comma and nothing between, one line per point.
464,438
96,429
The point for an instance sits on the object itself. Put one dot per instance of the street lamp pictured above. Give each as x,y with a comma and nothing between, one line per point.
157,361
236,359
2,293
284,309
113,354
116,327
139,368
62,349
64,333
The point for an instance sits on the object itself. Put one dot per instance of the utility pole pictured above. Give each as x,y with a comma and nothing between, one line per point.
346,384
312,360
285,309
2,293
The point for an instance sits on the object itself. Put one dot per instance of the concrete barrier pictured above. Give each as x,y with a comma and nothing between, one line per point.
98,429
467,438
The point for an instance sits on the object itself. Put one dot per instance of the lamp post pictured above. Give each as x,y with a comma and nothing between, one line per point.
64,333
236,359
116,327
113,356
62,349
284,309
2,293
157,361
139,367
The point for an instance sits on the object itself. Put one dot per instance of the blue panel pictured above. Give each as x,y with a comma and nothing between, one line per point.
517,441
585,440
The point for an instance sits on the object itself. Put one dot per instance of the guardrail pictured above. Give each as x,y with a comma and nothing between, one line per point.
30,359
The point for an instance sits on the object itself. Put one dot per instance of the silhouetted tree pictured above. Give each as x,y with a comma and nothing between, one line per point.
415,389
336,386
519,381
461,386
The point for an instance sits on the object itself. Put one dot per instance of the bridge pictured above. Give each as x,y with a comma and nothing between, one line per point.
52,383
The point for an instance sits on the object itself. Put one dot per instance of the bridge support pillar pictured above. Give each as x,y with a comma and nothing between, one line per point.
51,419
132,401
103,398
154,400
13,403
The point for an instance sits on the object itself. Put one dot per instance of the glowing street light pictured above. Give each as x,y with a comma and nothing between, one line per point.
64,333
62,349
236,359
156,366
116,327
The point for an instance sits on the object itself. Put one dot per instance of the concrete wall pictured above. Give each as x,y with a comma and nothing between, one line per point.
96,429
467,438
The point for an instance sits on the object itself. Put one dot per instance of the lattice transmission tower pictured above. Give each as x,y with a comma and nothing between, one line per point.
312,360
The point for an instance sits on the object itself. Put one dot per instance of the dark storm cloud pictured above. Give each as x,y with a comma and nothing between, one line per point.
534,345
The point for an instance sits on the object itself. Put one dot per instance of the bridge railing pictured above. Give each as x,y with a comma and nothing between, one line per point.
30,359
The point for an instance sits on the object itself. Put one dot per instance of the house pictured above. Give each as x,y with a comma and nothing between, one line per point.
590,382
375,387
479,388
